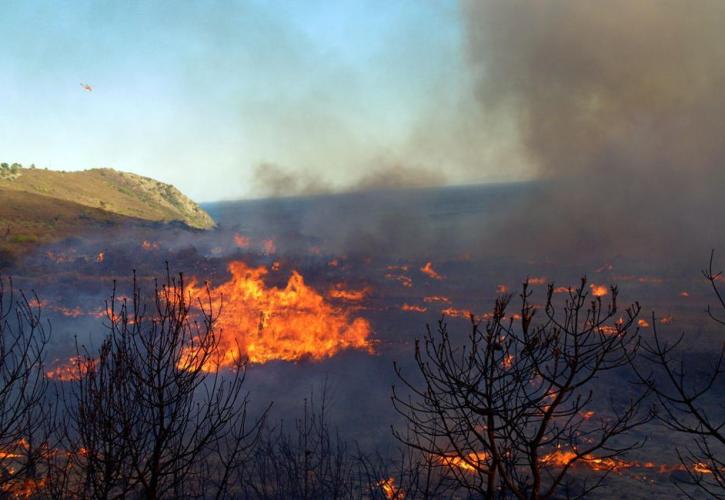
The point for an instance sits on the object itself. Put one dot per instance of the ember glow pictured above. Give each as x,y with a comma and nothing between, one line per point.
413,308
339,291
262,323
428,270
599,290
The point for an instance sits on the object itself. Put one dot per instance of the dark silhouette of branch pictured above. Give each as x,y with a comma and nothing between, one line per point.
152,413
690,399
24,415
506,409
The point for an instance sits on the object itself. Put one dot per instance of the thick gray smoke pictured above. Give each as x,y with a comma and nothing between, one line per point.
620,105
271,180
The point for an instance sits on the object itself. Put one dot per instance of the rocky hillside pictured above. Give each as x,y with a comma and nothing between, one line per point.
109,190
38,206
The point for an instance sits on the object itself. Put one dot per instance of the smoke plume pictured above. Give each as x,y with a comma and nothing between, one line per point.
619,104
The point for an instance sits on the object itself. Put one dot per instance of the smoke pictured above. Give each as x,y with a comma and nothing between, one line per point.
619,105
272,180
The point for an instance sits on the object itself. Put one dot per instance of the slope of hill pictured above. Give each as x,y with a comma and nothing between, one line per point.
116,192
39,206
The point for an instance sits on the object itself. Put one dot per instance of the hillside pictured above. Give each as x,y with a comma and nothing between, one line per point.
38,206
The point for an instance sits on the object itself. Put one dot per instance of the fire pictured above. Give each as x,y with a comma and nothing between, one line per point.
149,245
587,415
390,491
536,281
667,319
71,370
684,294
437,298
269,247
457,313
428,270
101,256
472,462
276,265
263,323
562,289
599,290
241,241
413,308
643,323
339,292
502,288
507,362
402,278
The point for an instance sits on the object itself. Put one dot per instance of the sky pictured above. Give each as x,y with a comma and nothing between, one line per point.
242,99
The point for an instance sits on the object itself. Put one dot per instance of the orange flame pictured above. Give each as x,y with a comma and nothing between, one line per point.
390,491
339,292
599,290
456,313
472,462
413,308
71,370
263,323
428,270
537,281
241,241
643,323
437,298
149,245
269,247
101,256
502,288
403,279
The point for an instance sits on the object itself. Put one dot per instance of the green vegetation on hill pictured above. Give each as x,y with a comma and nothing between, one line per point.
38,206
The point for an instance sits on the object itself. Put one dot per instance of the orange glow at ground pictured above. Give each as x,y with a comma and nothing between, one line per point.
262,323
599,290
428,270
413,308
241,241
340,292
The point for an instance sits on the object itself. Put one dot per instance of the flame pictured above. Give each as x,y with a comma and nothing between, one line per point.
562,289
501,288
428,270
437,298
667,319
413,308
684,294
457,313
507,362
702,468
599,290
241,241
149,245
276,265
472,462
101,256
536,280
333,263
608,330
587,415
403,279
263,323
269,247
339,292
389,489
643,323
72,369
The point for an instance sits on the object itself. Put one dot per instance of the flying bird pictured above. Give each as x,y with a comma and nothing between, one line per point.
87,87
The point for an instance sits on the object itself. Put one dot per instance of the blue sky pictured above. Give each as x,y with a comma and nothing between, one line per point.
198,93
